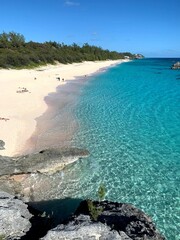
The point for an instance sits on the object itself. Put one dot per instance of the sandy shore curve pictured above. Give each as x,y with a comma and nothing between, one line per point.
22,98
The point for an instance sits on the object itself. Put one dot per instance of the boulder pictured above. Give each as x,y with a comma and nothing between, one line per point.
14,217
176,66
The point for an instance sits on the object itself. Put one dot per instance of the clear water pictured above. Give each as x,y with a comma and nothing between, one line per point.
129,120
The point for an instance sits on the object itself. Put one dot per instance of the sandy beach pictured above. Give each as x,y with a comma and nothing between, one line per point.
22,98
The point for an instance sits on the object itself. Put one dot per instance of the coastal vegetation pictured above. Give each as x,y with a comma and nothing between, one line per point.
95,211
2,237
15,52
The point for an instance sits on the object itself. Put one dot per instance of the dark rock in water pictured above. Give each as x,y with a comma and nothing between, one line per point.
14,217
116,221
36,177
176,66
2,144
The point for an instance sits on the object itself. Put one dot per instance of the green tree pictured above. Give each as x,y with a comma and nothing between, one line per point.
15,52
16,39
4,42
94,211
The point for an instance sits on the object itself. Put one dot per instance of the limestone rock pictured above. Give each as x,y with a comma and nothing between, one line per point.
46,161
176,66
126,218
117,221
37,176
14,217
84,229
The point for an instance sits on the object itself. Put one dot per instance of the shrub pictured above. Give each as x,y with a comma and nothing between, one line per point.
93,210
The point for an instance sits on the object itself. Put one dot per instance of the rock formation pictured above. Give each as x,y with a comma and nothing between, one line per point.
84,230
14,217
116,221
176,66
33,177
36,177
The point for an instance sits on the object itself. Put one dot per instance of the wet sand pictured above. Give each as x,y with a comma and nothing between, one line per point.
58,124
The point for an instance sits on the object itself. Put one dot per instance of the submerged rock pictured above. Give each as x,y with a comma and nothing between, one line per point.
14,217
116,221
176,66
34,177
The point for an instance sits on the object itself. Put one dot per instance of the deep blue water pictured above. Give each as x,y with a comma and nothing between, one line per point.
129,120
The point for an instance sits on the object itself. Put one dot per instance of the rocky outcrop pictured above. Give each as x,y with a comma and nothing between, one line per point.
34,177
139,56
14,217
176,66
2,144
116,221
37,177
46,161
84,230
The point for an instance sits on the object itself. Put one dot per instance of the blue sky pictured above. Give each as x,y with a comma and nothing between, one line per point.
150,27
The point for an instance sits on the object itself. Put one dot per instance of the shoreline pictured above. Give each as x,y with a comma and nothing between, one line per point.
23,94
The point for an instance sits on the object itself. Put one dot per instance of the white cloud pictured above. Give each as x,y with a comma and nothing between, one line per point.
71,3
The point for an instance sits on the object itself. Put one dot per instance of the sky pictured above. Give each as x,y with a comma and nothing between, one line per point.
149,27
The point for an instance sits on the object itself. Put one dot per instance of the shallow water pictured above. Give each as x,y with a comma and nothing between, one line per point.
57,125
129,119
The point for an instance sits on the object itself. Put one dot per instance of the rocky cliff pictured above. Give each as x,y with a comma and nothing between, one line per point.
14,217
35,178
116,221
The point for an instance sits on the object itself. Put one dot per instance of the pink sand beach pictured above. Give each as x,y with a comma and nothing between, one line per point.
22,98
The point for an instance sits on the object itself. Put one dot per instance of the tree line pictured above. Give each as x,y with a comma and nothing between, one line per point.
15,52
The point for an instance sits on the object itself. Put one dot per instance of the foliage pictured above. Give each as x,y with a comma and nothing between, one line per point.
2,237
93,210
11,39
16,53
101,192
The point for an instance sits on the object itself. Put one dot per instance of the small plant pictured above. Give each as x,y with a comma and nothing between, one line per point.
101,192
93,210
2,237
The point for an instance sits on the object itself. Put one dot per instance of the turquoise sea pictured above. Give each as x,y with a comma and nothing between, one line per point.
129,119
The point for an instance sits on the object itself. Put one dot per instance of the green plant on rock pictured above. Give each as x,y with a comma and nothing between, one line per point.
101,192
94,211
2,237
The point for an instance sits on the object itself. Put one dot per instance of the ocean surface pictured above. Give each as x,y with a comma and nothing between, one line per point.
128,117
